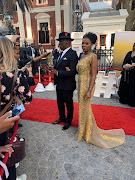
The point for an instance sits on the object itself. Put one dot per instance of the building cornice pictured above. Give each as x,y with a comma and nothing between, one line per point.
95,19
99,25
44,9
123,14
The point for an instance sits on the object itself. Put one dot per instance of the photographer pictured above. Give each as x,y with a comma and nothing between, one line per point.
27,69
33,52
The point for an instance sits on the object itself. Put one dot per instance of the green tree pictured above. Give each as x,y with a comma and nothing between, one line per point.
10,5
130,6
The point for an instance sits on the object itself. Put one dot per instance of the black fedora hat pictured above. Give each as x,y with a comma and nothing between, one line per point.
64,35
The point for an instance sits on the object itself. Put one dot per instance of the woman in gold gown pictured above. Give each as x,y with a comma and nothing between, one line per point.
87,128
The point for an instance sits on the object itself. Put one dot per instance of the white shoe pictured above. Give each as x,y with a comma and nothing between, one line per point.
22,177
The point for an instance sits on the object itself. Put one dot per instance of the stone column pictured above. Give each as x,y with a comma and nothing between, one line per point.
108,40
21,24
67,16
28,26
57,19
114,2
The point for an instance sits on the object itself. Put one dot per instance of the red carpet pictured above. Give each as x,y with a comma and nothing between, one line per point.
107,117
47,79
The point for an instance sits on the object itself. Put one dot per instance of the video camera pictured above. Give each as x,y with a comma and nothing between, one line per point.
24,58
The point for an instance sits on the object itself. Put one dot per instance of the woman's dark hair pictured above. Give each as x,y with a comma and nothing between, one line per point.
91,36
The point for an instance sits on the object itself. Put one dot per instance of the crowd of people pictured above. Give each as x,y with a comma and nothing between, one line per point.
17,68
12,82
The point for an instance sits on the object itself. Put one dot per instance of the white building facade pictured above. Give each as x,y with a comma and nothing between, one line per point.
104,21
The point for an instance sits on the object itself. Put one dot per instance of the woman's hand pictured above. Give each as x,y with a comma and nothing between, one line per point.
88,95
29,69
126,67
7,148
7,123
23,68
94,66
67,69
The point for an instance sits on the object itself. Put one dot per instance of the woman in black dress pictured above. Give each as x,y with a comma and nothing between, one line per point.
127,85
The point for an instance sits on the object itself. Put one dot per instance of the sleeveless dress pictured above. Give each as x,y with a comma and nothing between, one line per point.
87,128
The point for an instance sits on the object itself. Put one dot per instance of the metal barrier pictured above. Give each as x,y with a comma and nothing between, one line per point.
104,56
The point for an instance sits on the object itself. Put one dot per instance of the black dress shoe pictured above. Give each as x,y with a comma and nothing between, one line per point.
66,126
58,121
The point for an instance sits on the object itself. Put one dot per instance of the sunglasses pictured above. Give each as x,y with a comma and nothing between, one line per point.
17,45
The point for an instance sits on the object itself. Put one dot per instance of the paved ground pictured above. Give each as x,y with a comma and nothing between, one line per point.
55,154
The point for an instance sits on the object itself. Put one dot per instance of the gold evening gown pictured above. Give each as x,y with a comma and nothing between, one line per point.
87,128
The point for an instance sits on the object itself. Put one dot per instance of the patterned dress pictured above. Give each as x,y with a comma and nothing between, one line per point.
21,88
87,128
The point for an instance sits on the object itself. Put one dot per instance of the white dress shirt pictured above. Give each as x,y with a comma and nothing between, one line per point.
33,52
64,52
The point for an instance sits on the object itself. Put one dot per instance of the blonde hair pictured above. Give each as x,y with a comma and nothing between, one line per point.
8,62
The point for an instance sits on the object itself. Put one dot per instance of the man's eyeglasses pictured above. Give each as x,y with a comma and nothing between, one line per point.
17,45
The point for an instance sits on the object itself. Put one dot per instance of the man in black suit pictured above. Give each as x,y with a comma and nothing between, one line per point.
65,80
33,52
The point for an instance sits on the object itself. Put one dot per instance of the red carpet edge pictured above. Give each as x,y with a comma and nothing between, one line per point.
107,117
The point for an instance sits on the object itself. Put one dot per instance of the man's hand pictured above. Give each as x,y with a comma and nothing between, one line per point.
7,148
14,37
67,69
44,55
8,123
53,71
45,66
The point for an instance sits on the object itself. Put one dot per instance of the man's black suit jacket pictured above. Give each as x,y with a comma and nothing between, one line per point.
29,52
66,79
